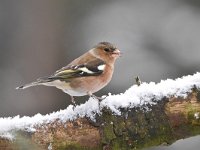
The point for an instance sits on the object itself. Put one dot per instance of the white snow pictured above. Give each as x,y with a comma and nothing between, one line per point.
50,146
196,115
135,96
143,94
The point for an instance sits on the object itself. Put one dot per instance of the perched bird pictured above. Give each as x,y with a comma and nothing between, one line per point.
86,74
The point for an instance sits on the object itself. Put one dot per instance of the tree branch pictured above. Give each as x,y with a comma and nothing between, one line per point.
161,115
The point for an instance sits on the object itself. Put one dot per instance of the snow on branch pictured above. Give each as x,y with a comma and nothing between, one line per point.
135,96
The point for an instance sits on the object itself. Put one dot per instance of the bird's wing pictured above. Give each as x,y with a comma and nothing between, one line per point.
91,68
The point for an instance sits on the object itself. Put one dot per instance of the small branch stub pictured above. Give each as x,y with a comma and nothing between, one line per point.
138,81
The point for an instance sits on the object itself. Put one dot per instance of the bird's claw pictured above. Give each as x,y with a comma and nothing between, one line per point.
99,98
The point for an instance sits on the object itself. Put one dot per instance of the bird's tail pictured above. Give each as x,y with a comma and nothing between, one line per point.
39,81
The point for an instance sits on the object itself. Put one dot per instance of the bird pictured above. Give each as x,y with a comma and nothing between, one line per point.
86,74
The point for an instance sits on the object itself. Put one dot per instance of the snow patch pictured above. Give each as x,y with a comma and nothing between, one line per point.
196,115
135,96
7,135
149,93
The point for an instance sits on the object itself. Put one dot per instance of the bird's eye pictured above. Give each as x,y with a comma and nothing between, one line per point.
106,49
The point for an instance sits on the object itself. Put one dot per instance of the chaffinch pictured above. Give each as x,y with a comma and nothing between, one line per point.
86,74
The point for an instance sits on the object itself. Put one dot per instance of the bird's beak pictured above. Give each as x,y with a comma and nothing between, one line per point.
116,53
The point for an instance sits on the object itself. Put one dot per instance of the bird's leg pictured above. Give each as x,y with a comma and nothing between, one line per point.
99,98
73,101
96,97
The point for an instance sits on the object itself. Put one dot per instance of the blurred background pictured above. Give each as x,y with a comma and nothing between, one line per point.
159,39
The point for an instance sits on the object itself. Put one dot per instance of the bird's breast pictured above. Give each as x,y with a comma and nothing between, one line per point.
93,83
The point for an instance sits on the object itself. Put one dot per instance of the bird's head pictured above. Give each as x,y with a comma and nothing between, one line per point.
107,51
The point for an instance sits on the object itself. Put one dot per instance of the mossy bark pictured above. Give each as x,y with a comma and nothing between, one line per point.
164,123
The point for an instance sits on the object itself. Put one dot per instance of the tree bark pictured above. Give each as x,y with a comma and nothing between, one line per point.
151,125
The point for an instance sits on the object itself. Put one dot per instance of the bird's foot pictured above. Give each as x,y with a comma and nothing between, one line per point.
96,97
